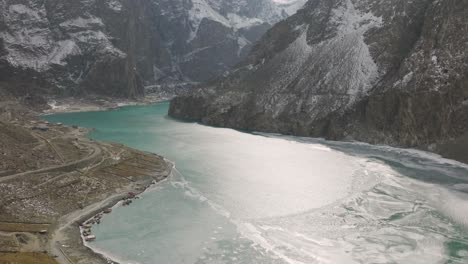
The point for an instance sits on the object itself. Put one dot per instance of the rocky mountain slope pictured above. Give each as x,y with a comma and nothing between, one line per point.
68,46
217,33
386,71
117,47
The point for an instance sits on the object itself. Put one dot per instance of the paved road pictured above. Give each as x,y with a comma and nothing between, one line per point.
67,167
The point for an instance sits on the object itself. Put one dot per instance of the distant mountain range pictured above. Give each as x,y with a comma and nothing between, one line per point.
117,47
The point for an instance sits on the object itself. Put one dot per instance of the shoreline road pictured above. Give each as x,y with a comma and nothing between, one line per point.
67,167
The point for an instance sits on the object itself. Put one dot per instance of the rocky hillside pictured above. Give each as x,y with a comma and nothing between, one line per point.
118,47
67,46
386,71
208,37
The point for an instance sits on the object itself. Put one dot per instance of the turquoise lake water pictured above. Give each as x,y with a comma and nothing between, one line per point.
259,198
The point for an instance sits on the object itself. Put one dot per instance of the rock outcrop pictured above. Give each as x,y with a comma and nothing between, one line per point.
71,46
206,38
391,72
118,47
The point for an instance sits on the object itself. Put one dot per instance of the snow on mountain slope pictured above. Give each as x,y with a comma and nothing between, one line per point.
67,47
303,62
31,41
158,42
305,65
380,71
291,7
216,34
200,10
240,14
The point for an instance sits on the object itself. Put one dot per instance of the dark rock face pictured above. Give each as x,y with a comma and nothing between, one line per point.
117,47
392,72
208,37
72,46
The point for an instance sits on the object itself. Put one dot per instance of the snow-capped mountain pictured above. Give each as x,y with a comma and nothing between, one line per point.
208,37
117,47
291,7
386,71
69,47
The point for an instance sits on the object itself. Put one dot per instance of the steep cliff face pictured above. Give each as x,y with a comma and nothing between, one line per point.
207,37
69,46
117,47
392,72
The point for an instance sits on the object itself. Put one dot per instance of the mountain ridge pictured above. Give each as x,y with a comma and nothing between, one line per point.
383,72
119,47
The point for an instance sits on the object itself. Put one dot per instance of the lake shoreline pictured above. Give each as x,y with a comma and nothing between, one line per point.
68,227
55,177
84,104
119,121
113,203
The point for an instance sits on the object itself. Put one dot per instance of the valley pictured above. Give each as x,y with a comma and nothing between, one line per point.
233,131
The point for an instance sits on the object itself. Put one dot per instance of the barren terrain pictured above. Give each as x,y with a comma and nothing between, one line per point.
52,179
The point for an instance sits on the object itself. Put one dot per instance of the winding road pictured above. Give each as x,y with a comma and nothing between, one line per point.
67,167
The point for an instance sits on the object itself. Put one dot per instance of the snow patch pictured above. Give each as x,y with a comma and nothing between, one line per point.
82,23
335,72
200,10
30,42
115,5
291,7
235,19
242,42
59,51
407,78
239,22
351,20
352,25
63,49
293,60
24,10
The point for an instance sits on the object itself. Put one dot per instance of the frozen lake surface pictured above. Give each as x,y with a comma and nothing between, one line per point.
259,198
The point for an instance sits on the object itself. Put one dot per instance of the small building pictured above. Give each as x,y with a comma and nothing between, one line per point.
41,127
90,238
87,225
